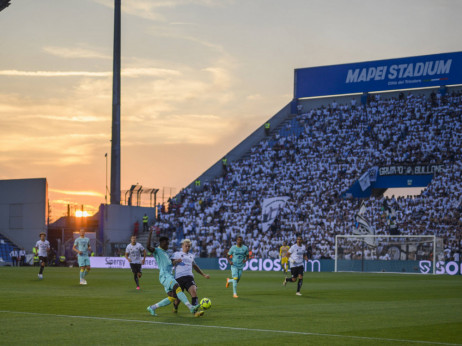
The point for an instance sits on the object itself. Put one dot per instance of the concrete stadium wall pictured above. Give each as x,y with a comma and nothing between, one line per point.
116,222
23,210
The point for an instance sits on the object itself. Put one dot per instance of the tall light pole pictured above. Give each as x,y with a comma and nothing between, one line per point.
4,4
115,146
106,191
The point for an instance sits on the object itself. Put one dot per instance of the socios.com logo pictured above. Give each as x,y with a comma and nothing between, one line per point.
425,267
449,268
267,264
223,263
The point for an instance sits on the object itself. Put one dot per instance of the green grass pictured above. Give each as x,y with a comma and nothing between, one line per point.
335,309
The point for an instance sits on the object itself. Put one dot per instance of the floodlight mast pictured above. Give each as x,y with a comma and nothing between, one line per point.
4,4
115,143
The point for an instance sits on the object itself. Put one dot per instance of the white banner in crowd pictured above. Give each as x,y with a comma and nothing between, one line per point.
364,181
270,210
363,226
119,263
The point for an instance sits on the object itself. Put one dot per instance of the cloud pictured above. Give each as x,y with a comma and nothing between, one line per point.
73,52
202,129
16,73
132,72
254,97
77,193
151,10
148,72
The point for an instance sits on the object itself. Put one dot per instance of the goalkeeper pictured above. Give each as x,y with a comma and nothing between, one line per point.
282,256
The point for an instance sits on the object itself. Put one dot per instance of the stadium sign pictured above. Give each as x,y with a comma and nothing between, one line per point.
392,74
410,170
119,263
449,268
268,264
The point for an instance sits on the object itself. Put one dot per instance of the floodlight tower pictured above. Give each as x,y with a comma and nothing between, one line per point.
4,4
115,145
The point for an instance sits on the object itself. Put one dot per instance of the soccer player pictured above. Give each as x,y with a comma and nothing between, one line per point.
296,255
183,272
42,247
172,288
83,249
282,256
133,253
237,256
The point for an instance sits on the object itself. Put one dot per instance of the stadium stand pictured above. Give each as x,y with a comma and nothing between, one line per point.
6,246
313,158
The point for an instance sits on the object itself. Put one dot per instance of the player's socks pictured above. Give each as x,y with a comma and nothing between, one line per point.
181,296
289,280
163,302
300,283
41,270
194,301
235,287
82,274
86,272
136,280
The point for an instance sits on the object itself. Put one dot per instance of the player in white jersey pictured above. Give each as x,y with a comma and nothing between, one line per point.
297,256
184,261
42,247
133,253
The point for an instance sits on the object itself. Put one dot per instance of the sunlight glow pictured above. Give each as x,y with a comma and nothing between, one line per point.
81,213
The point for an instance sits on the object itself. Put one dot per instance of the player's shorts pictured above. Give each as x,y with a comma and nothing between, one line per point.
136,267
236,272
84,261
296,271
43,259
185,282
284,260
168,281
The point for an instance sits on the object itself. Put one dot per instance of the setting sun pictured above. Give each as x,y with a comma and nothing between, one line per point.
81,213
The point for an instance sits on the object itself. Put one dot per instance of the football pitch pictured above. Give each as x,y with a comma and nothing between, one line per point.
335,309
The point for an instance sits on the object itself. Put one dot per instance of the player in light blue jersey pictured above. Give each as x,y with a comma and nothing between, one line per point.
83,249
237,256
172,288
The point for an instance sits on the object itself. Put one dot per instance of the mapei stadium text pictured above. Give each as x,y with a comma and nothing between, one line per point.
420,69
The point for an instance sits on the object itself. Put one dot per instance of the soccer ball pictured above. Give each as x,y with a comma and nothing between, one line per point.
206,303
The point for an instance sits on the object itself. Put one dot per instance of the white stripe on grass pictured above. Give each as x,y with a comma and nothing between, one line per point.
233,328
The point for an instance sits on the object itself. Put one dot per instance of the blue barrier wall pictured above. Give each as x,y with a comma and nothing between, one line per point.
328,265
322,265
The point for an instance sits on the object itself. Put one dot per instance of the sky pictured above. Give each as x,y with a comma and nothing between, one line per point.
198,76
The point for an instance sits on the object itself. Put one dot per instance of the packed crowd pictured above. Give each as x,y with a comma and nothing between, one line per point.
314,159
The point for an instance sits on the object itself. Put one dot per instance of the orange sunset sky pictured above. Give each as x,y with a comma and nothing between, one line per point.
198,76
